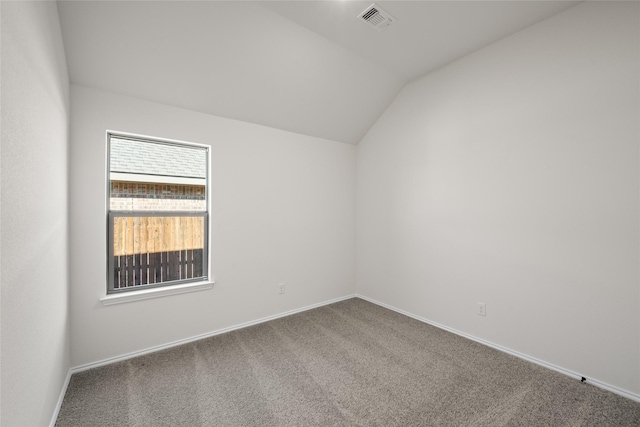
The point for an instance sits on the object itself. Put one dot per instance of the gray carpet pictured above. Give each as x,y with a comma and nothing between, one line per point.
347,364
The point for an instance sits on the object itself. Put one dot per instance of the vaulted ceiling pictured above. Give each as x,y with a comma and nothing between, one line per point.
310,67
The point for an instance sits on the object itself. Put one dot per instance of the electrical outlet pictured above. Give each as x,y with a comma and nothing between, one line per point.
281,288
482,309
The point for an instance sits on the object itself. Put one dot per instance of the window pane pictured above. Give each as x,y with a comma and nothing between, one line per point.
149,250
157,213
147,175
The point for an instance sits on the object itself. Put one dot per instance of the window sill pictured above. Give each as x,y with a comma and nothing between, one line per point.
155,293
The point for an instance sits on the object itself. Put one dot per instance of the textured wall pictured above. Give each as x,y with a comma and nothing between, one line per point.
35,91
510,177
283,211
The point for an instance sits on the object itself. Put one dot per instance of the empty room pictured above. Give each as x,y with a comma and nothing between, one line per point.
320,213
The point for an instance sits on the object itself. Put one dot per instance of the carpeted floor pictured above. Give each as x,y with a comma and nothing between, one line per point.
347,364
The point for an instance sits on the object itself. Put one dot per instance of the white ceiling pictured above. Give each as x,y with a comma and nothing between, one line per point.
304,66
427,34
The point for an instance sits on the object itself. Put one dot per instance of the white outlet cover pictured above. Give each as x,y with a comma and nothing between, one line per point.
482,309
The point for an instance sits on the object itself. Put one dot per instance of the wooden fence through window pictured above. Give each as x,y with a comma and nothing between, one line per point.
150,250
156,267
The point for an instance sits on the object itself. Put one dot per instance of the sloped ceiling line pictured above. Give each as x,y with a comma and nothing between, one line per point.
302,66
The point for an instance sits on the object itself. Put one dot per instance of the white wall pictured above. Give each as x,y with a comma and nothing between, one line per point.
511,177
283,211
34,221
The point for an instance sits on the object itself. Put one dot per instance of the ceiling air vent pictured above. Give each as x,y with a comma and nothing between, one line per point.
376,17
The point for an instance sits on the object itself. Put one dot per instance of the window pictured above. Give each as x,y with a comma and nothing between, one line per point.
157,216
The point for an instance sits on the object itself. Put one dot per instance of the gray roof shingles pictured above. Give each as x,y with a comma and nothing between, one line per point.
149,158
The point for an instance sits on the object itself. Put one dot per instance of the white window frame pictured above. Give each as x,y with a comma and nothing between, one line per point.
114,296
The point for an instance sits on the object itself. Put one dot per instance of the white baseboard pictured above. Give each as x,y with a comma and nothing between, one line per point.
131,355
597,383
203,336
56,411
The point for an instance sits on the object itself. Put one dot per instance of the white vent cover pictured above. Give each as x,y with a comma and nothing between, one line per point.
376,17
